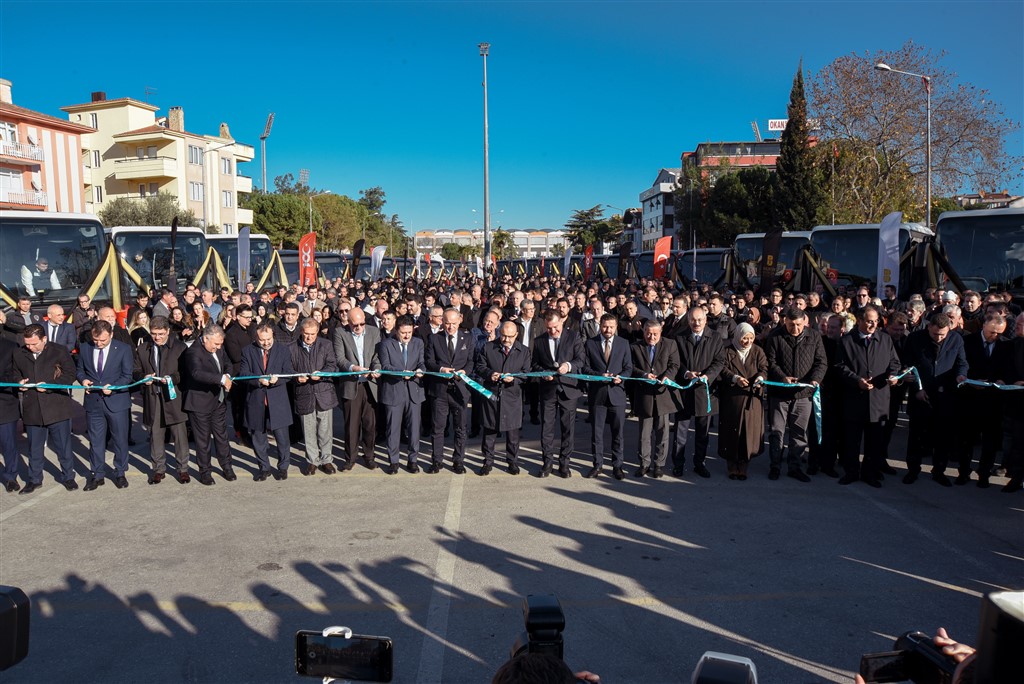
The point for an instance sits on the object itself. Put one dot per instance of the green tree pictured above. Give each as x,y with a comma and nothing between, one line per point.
451,252
863,186
373,199
589,227
799,191
503,245
154,210
287,185
284,218
338,221
558,250
721,207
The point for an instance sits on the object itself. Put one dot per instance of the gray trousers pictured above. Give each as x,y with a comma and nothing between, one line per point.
318,436
794,414
157,446
659,424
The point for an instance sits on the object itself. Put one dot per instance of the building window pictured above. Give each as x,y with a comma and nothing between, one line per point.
195,191
195,155
225,166
151,151
154,188
228,228
94,120
97,194
140,152
142,189
95,159
226,197
8,132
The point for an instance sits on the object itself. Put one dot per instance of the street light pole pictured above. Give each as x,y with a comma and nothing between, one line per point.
484,49
927,81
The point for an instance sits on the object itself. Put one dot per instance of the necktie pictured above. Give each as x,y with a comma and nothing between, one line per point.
220,394
405,356
988,349
99,364
156,358
264,360
696,339
650,355
867,340
507,349
607,351
451,349
53,333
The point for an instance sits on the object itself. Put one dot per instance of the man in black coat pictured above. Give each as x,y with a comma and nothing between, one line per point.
1014,374
897,331
795,355
530,328
315,397
560,352
868,364
449,351
607,354
46,413
237,336
160,357
719,323
267,409
503,413
655,359
701,355
9,414
982,408
208,381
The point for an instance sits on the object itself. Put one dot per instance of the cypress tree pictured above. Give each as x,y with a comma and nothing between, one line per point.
799,193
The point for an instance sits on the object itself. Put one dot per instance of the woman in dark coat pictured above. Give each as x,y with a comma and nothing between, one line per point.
741,412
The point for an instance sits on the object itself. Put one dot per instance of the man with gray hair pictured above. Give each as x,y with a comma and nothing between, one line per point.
207,384
315,398
655,358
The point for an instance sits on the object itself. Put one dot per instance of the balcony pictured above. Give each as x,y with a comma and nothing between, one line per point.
243,152
35,199
243,216
243,184
14,152
86,174
146,167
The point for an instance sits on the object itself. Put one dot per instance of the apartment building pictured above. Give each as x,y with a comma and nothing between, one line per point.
134,154
529,243
40,159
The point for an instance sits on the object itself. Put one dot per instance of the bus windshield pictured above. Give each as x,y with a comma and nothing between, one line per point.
71,248
852,253
149,253
260,251
750,249
709,265
985,250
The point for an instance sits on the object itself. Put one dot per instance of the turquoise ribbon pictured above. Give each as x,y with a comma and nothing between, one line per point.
911,371
993,385
473,384
815,398
668,382
95,388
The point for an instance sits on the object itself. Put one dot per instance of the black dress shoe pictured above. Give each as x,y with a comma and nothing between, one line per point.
774,473
656,473
433,469
474,434
963,478
1014,485
741,477
640,472
733,476
228,474
70,485
485,471
942,479
459,469
513,469
184,478
702,471
33,486
328,469
593,472
873,482
155,478
534,421
370,463
910,478
92,483
982,481
848,479
390,469
120,481
564,472
545,470
799,475
346,466
13,486
887,469
831,472
261,476
618,474
206,479
413,468
280,474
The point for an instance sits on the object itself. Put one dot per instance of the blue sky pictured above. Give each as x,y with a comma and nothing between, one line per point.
588,100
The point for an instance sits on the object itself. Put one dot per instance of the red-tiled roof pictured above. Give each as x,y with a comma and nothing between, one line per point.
15,110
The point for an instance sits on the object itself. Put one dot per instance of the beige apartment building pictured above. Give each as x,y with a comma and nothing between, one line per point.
133,153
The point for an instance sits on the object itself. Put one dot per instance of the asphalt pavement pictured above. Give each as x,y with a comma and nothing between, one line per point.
174,582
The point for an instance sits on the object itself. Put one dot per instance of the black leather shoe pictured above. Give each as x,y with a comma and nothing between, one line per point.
942,479
13,486
702,471
798,475
564,472
345,466
370,463
206,479
640,472
485,471
656,473
593,472
963,478
774,473
121,482
848,479
545,470
618,474
474,434
70,485
1014,485
982,481
513,469
280,475
873,482
33,486
910,478
260,476
831,472
91,484
887,469
459,469
228,474
678,471
390,469
433,469
413,468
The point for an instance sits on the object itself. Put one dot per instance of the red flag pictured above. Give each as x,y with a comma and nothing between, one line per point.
661,250
542,266
427,257
307,259
588,262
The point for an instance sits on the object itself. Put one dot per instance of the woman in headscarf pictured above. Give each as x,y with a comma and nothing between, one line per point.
741,413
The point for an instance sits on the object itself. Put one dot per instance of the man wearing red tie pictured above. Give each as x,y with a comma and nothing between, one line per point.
559,351
267,409
102,364
607,354
448,351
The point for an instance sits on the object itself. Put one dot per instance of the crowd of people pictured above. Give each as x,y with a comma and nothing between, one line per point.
453,360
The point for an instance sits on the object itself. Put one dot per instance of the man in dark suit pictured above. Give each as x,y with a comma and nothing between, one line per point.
655,359
1013,373
287,330
449,351
559,351
208,381
355,349
46,413
267,409
103,363
57,331
9,414
240,334
982,408
160,357
402,395
530,328
503,413
315,398
607,354
867,364
701,355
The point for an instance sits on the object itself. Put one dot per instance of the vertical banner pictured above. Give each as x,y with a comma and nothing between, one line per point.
588,262
543,270
440,265
357,254
307,259
568,258
479,267
624,252
244,256
376,259
889,253
661,249
770,248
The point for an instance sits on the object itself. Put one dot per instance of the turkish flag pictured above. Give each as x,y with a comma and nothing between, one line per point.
307,259
588,262
661,249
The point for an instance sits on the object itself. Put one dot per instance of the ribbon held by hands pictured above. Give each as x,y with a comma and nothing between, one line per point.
815,398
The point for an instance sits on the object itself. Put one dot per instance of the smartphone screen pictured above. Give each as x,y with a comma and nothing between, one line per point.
883,667
361,658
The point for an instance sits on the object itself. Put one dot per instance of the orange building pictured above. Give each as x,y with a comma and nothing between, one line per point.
41,164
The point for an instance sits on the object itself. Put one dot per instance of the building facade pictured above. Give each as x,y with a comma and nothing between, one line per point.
135,154
40,159
714,159
657,207
529,243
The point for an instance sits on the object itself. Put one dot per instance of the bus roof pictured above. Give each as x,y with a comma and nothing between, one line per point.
914,227
785,233
221,236
49,215
190,230
977,212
